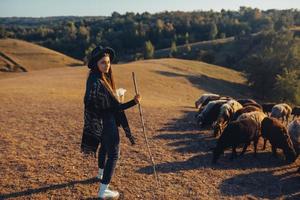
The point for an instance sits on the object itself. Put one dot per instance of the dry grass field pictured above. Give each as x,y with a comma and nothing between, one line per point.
33,57
41,120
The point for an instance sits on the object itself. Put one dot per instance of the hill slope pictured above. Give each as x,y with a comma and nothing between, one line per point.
41,122
33,57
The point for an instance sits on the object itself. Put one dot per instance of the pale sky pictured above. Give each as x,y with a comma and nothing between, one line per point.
43,8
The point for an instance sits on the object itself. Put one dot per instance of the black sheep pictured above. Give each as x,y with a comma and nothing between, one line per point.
274,131
296,111
236,133
267,107
209,116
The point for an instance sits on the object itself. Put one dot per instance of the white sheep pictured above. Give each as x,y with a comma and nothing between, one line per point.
226,113
199,102
282,111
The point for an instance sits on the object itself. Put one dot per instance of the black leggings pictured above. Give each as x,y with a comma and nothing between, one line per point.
109,148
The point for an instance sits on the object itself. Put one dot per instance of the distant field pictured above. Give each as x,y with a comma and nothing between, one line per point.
31,56
41,120
196,46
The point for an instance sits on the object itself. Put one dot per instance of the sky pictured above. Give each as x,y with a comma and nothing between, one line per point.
45,8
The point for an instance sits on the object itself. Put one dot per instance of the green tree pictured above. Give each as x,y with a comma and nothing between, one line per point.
213,31
266,68
148,50
287,86
173,49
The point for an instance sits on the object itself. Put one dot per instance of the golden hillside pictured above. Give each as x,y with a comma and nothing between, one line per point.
31,56
41,122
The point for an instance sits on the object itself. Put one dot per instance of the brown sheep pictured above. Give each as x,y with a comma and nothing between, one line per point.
236,133
244,110
257,117
274,131
243,102
255,105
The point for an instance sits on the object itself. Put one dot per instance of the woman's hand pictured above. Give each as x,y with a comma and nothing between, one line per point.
137,98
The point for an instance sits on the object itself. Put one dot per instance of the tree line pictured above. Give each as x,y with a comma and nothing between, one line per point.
263,47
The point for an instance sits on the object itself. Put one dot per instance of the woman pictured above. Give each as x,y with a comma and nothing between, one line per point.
102,116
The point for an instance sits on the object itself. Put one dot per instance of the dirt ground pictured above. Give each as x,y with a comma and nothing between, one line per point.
41,120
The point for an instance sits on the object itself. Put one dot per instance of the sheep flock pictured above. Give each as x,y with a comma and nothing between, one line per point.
237,122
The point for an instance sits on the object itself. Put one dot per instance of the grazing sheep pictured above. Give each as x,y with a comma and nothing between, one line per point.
296,111
294,131
203,98
236,133
243,110
282,111
254,104
209,99
274,131
210,113
246,101
267,107
226,113
257,117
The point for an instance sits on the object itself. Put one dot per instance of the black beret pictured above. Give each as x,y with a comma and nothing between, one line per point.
97,53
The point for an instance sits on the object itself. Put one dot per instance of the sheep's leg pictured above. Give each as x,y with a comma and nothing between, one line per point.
244,149
233,154
265,144
274,151
255,146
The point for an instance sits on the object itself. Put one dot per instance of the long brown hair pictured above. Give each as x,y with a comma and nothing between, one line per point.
109,81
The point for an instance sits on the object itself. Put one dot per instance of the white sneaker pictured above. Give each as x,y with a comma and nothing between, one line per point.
100,173
105,193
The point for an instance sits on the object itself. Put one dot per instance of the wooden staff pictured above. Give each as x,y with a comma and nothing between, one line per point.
144,131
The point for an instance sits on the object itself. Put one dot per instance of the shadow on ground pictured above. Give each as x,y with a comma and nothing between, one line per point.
262,185
47,188
263,160
213,85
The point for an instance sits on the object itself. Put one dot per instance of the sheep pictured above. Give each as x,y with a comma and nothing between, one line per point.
282,110
236,133
210,113
244,110
296,112
245,101
203,98
254,104
209,99
294,131
274,131
257,117
267,107
226,113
